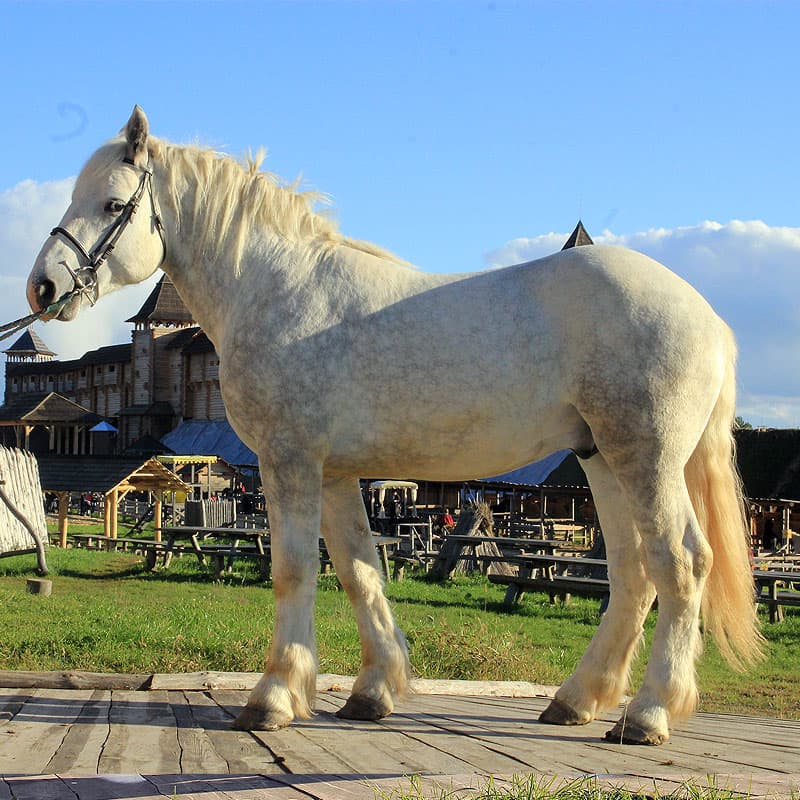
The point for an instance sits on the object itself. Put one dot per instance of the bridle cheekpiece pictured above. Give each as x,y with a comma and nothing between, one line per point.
85,277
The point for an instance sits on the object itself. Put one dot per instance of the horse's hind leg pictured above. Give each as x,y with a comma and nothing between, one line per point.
678,562
601,678
384,669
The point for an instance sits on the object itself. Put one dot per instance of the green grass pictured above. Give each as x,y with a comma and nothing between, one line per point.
546,787
107,613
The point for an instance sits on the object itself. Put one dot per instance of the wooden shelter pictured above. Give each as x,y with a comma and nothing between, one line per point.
113,477
47,422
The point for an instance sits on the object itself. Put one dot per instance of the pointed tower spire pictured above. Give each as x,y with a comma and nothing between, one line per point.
163,307
29,347
578,238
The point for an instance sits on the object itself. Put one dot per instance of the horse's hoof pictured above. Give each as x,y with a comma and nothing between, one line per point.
558,713
627,732
260,719
358,706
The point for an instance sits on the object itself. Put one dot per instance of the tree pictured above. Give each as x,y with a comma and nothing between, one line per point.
740,424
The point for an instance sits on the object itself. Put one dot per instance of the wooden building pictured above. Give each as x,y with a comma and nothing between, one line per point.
167,374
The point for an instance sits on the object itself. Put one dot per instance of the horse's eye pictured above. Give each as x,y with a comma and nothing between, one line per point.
114,206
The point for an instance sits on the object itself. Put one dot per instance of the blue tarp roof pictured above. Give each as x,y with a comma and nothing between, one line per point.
103,427
210,438
533,474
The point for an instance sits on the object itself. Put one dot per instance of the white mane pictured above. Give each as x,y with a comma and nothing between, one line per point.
234,197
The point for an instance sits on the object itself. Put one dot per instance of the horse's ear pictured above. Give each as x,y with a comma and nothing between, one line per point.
136,132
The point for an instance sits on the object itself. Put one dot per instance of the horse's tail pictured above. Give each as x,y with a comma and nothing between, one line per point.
715,488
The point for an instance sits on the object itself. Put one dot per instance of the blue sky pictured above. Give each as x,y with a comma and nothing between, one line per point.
458,134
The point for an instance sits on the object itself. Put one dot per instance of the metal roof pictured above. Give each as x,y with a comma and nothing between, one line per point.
535,474
215,437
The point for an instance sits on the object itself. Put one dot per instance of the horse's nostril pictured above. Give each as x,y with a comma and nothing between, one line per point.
45,293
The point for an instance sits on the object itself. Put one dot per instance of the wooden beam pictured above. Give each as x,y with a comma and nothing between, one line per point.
157,515
63,524
107,515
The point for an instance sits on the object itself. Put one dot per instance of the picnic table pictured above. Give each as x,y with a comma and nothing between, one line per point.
768,590
555,575
508,543
224,546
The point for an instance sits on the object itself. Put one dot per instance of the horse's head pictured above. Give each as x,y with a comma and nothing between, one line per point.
102,243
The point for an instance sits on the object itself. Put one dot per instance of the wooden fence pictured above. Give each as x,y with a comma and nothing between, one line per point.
23,528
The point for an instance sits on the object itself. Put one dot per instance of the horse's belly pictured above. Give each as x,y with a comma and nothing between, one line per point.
472,447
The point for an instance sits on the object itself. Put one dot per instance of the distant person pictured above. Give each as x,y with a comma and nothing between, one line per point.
768,537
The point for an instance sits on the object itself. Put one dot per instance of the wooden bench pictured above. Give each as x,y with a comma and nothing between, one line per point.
562,586
223,557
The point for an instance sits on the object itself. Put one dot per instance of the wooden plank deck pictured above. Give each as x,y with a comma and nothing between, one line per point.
107,743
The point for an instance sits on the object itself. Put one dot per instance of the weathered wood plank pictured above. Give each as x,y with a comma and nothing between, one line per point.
143,737
733,745
242,752
35,733
49,787
480,739
387,748
72,679
232,787
328,787
572,749
418,718
11,703
197,751
111,787
290,747
407,742
80,750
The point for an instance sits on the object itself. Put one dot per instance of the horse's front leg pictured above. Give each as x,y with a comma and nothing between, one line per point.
288,687
385,670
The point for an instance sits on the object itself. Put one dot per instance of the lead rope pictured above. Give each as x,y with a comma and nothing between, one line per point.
10,328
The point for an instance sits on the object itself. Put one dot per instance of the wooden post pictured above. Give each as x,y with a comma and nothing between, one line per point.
63,524
114,512
107,515
157,515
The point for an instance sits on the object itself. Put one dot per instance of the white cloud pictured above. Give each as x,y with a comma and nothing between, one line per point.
749,272
28,212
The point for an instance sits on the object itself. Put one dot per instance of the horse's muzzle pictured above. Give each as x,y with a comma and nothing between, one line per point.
41,294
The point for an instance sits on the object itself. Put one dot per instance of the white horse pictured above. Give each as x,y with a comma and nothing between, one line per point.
597,349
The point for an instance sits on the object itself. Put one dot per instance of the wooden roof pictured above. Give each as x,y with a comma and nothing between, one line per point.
578,238
45,408
104,473
112,354
163,305
29,344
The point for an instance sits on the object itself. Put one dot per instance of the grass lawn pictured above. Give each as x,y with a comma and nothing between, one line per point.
107,613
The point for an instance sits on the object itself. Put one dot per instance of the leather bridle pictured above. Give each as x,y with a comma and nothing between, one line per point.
85,277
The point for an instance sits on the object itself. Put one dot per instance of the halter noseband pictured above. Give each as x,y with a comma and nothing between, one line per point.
85,277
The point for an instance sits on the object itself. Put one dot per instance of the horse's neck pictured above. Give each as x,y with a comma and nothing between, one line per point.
210,285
